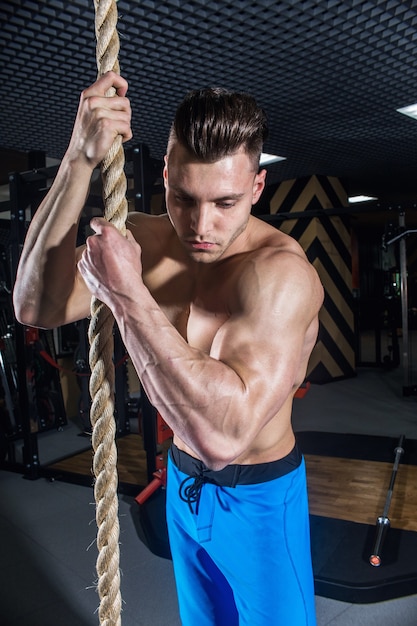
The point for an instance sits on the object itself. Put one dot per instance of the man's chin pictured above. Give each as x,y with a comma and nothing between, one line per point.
205,256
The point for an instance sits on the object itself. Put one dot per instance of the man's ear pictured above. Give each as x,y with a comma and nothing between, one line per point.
165,171
258,185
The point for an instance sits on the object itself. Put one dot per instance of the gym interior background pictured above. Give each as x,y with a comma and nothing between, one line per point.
332,76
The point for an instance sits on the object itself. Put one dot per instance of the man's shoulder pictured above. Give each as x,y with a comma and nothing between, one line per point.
278,262
273,245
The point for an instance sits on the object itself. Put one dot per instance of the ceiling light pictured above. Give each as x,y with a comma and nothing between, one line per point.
411,110
353,199
267,159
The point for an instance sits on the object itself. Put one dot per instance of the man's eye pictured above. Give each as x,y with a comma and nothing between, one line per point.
226,205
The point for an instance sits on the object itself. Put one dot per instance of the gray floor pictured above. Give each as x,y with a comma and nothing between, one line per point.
47,529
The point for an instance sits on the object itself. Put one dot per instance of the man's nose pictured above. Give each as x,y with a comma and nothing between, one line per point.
200,219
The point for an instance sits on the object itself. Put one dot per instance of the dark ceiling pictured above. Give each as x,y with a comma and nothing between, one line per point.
330,74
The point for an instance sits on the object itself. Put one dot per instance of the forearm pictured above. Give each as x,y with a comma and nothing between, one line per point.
47,266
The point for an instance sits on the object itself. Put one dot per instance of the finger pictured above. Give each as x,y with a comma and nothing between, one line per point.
115,110
104,83
98,224
81,265
115,106
116,119
129,236
120,84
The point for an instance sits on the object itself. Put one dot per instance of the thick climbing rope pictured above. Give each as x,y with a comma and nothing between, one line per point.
100,334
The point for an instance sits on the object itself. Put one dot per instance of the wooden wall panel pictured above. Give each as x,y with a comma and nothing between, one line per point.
326,241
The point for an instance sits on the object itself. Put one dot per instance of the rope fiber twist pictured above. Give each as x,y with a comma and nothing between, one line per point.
100,335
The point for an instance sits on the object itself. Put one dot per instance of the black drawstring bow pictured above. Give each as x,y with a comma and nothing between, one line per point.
191,493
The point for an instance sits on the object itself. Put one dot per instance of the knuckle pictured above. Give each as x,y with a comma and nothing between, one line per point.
92,103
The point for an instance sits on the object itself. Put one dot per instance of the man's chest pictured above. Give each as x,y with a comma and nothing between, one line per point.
196,306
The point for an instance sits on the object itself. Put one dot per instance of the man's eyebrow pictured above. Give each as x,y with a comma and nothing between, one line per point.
179,189
228,196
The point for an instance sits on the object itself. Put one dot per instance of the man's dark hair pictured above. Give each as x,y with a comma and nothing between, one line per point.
213,123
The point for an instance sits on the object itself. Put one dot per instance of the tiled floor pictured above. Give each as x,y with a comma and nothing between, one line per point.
47,529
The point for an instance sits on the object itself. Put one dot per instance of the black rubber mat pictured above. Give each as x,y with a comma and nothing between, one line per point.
347,445
151,523
341,549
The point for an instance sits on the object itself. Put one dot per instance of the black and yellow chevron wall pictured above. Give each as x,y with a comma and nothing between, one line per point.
326,241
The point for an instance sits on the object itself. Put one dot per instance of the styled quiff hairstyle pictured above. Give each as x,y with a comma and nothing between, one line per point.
213,123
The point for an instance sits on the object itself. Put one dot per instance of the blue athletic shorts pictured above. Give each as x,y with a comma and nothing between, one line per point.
240,542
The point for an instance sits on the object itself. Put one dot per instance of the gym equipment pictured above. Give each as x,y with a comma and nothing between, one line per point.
383,522
100,333
27,190
348,475
158,477
400,235
31,399
152,499
83,374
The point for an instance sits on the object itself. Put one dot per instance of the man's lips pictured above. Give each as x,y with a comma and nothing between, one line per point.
200,245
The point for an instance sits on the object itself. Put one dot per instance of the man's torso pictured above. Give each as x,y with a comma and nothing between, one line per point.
198,300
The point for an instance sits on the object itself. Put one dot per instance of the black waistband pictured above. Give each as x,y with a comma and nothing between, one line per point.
233,475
